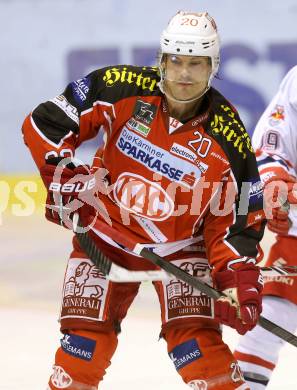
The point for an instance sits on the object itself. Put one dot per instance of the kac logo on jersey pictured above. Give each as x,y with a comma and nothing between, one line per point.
142,197
60,379
198,384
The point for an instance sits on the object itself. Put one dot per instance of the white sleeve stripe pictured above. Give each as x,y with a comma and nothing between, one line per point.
69,110
96,103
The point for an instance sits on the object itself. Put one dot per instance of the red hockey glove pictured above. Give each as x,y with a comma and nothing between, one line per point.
69,188
242,305
279,192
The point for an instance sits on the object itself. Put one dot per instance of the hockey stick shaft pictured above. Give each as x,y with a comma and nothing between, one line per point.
106,266
118,274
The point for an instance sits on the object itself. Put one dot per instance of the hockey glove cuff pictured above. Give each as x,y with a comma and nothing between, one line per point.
242,304
68,189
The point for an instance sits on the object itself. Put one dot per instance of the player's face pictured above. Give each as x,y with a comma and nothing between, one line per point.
186,77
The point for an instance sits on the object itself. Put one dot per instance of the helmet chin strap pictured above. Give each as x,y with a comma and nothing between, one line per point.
171,97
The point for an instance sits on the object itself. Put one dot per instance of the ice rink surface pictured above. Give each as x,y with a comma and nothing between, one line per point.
33,257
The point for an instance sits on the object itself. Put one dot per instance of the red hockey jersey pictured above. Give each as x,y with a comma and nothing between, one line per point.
175,186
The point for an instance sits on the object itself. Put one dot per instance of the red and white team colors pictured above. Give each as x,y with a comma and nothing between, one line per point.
176,187
275,142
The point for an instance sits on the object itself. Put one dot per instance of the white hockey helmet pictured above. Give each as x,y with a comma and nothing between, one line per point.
192,34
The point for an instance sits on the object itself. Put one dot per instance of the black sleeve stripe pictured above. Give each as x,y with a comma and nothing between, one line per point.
53,123
59,140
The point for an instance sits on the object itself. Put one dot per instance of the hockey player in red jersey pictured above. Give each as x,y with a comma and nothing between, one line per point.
169,175
275,140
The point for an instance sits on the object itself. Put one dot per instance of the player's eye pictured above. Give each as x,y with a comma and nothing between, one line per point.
174,59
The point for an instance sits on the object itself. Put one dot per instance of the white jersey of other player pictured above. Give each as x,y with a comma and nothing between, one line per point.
275,136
